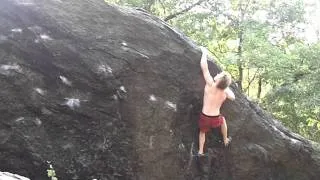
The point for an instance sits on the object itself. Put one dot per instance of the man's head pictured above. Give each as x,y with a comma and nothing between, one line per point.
223,80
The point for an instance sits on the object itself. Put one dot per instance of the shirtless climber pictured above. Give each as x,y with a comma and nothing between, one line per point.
216,91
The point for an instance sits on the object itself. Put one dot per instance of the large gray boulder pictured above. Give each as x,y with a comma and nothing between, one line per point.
111,93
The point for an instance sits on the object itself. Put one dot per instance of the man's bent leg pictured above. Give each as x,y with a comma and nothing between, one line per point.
224,131
202,139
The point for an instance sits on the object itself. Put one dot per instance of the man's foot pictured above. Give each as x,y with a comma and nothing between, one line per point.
227,141
199,154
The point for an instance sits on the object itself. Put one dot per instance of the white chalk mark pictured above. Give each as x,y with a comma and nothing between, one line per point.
115,97
124,43
181,146
109,69
11,67
45,37
151,142
38,122
65,80
122,88
104,69
19,119
40,91
143,55
171,105
16,30
171,132
5,69
152,98
72,102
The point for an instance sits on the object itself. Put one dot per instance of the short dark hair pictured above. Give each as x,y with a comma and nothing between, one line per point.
225,81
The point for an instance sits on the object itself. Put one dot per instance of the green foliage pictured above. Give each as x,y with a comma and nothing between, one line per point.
295,100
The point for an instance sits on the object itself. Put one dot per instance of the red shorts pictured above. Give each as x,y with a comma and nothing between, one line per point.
207,122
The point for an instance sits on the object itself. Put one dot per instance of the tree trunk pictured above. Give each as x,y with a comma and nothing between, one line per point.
240,64
259,87
112,93
249,81
240,48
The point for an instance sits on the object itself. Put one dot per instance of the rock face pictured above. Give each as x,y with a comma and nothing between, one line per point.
110,93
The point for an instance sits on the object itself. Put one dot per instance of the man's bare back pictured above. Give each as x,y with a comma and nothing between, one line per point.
212,100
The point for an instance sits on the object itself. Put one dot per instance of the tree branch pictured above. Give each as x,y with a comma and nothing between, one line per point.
247,5
149,4
253,78
174,15
216,57
163,6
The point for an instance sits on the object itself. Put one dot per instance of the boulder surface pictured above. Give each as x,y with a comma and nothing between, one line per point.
104,92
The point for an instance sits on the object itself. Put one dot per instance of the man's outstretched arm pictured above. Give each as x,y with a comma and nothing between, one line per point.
204,66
